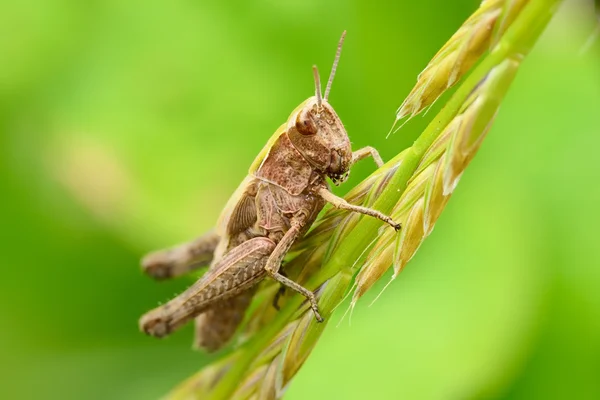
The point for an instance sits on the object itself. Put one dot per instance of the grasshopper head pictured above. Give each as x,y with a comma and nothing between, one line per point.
317,132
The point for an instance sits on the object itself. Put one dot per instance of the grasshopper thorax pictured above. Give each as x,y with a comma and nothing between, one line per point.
318,134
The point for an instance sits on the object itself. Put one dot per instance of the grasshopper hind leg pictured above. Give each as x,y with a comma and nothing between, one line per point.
238,271
217,325
178,260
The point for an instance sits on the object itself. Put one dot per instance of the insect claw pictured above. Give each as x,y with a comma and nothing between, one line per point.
317,315
315,309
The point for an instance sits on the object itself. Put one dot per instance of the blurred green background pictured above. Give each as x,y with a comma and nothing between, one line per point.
125,126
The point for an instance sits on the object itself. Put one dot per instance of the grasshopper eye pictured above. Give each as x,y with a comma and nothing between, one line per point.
305,124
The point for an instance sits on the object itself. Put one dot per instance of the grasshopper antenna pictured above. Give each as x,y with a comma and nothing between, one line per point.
334,67
317,86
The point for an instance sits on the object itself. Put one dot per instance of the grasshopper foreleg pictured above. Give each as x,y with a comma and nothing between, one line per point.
178,260
340,203
274,263
366,152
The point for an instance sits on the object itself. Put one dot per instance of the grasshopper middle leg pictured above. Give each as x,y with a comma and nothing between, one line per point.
280,292
274,263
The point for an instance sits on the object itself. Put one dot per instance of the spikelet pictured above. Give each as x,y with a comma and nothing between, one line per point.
480,32
275,368
308,331
436,178
199,385
252,384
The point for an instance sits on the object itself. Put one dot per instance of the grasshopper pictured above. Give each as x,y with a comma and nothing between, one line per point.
274,206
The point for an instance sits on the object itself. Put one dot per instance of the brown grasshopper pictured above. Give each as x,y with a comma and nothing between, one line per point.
274,206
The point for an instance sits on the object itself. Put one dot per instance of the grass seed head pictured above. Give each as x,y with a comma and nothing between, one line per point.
269,388
251,385
199,385
411,237
480,32
264,366
376,265
435,178
308,331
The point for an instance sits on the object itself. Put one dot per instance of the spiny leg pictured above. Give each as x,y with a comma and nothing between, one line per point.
178,260
274,263
340,203
238,270
366,152
310,296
